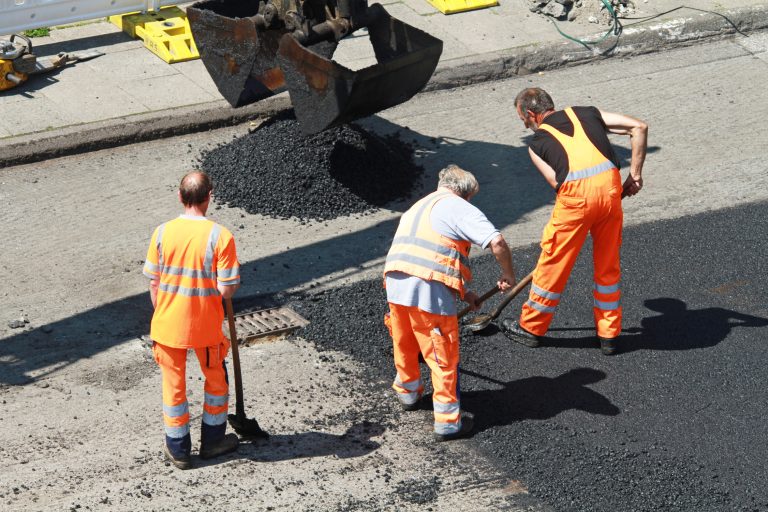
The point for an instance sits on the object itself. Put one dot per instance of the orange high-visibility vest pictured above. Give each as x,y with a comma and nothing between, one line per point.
189,257
420,251
584,159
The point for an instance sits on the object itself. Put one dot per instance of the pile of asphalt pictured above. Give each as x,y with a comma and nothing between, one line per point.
673,422
279,172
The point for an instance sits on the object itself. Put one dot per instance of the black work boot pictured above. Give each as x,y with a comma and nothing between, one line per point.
227,444
607,346
181,462
514,332
467,424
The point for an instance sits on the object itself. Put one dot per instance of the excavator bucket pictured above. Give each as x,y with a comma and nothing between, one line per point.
239,54
326,94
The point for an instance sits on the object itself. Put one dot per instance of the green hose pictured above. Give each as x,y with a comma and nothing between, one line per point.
616,29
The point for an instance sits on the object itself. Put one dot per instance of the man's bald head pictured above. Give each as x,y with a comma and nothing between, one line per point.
194,188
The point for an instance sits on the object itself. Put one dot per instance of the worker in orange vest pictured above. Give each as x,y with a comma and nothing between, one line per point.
426,269
192,263
570,148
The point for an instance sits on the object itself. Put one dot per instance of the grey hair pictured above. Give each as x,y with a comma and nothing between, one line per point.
534,99
459,181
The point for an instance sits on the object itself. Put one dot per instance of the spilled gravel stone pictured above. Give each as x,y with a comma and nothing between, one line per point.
279,172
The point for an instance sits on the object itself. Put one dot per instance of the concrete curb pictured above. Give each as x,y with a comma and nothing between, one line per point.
517,61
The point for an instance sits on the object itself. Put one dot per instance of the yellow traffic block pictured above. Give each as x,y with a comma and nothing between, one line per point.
165,32
454,6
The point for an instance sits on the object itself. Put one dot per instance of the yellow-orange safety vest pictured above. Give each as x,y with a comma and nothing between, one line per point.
584,159
418,250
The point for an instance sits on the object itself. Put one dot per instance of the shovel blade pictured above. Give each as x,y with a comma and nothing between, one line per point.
240,56
246,427
325,94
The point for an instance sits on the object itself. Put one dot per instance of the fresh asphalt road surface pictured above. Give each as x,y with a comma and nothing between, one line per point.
674,421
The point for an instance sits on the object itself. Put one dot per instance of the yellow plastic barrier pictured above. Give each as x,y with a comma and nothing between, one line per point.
454,6
165,32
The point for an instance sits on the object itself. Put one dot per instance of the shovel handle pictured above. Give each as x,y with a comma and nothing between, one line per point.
240,407
484,297
511,295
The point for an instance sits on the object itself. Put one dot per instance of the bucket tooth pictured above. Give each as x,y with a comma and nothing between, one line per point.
240,56
326,94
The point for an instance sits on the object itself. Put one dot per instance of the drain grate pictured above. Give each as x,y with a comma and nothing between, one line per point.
267,322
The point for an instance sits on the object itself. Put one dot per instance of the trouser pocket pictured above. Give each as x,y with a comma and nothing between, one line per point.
445,348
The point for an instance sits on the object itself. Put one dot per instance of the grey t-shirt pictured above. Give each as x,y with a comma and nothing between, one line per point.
454,218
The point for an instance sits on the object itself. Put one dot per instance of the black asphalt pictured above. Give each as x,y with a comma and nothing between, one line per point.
674,421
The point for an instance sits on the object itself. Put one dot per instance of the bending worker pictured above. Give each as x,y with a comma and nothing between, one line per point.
570,148
192,264
427,267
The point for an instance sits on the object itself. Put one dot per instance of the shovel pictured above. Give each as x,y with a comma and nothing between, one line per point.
243,425
480,322
487,295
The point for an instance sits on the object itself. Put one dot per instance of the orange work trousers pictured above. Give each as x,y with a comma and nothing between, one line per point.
591,205
173,365
436,338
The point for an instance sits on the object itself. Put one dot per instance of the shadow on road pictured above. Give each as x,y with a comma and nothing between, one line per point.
675,328
355,442
536,398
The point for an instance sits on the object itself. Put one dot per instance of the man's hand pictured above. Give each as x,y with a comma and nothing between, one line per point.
506,282
473,300
632,186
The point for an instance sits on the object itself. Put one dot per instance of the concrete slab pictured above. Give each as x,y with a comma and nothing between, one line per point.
421,7
128,65
98,101
195,71
166,92
39,112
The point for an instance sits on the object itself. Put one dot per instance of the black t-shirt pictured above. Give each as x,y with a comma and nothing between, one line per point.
550,150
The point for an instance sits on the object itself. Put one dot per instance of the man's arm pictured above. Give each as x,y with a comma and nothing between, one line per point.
227,290
153,285
638,136
544,168
503,256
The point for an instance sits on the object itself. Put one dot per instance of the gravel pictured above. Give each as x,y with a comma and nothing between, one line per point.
673,422
279,172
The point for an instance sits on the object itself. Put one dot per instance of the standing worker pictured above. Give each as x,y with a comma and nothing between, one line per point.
426,268
570,148
192,264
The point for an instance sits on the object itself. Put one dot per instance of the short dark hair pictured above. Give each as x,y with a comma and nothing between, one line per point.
194,188
534,99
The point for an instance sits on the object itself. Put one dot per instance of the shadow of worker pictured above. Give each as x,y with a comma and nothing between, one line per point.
680,328
355,442
536,398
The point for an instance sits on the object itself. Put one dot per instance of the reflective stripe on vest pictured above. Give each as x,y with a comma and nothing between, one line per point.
205,277
584,159
418,250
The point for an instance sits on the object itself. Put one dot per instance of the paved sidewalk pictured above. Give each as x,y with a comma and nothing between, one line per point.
129,94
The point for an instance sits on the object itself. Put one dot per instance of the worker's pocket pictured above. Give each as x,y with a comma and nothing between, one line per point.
216,354
388,323
568,210
162,357
548,238
445,348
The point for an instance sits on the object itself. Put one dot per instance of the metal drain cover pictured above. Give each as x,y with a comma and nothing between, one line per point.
267,322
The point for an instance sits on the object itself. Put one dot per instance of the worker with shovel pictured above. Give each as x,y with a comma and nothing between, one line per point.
192,263
571,149
426,268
